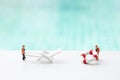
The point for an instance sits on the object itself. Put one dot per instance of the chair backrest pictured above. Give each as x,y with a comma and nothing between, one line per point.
56,52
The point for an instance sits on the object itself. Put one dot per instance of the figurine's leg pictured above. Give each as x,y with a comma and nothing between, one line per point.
23,57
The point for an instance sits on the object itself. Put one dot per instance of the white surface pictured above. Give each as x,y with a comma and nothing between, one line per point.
65,66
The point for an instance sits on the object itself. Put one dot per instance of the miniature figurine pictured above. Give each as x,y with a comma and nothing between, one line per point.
97,49
23,52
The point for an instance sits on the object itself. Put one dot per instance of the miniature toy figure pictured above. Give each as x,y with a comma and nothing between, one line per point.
97,49
23,52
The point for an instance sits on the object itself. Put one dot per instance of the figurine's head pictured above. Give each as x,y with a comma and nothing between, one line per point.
23,45
96,46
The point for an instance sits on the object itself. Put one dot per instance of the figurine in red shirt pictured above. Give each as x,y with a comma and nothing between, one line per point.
23,52
97,49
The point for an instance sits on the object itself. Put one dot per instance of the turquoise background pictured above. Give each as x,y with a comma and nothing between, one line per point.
65,24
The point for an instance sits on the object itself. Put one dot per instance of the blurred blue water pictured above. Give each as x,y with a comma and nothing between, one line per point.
66,24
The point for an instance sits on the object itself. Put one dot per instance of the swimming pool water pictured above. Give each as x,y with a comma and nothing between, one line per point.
65,24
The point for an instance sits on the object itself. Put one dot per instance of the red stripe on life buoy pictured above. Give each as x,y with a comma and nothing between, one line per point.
91,52
84,61
96,57
83,55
